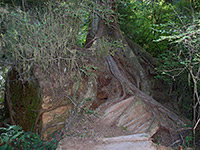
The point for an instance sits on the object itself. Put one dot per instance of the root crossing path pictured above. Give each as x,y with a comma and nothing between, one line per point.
128,124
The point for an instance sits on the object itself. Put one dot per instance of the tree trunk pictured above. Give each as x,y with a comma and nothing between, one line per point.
128,56
131,67
122,80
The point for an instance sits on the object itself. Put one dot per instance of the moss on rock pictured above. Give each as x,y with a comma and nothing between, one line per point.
24,99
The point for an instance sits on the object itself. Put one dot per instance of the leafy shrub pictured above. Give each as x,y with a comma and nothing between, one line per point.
41,39
140,19
145,21
183,63
175,24
14,138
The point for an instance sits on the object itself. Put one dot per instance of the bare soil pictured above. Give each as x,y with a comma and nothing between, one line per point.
88,134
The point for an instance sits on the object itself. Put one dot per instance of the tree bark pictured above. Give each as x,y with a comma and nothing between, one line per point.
129,55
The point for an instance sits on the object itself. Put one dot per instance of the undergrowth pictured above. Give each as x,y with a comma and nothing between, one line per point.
14,138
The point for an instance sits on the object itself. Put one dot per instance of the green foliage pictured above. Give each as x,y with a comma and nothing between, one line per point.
182,61
145,21
140,19
185,53
168,64
42,43
14,138
87,70
108,47
47,38
44,39
88,111
28,4
189,140
176,26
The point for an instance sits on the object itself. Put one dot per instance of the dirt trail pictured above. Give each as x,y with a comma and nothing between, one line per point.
91,132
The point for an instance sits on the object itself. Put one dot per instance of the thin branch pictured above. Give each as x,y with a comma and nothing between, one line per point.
196,124
23,5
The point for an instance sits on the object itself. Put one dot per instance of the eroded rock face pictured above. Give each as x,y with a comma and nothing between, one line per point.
88,92
131,114
33,106
57,107
54,120
139,116
135,121
45,105
126,106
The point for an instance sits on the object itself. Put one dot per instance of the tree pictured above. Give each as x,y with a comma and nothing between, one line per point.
105,26
127,63
110,65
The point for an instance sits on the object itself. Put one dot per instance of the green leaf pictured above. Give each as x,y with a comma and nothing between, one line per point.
17,135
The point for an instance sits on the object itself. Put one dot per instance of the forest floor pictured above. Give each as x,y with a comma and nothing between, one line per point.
90,133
